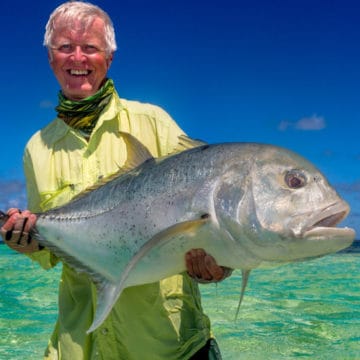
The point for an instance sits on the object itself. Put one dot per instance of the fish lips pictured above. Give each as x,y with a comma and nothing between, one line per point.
323,227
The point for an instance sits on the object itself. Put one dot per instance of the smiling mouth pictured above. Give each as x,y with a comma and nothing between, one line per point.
75,72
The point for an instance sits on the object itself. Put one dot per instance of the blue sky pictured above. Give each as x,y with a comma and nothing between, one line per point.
283,72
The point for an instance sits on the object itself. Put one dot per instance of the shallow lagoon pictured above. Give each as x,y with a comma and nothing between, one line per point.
303,310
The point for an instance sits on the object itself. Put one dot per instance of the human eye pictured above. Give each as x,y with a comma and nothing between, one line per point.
65,48
90,49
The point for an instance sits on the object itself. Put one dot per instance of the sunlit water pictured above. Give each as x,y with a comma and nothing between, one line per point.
305,310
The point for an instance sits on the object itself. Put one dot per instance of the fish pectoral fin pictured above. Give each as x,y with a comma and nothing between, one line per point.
186,228
107,295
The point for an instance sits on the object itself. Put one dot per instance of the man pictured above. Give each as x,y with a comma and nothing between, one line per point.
82,145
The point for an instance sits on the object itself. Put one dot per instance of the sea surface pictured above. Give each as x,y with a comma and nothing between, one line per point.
308,310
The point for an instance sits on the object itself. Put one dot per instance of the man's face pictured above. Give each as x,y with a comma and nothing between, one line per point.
78,59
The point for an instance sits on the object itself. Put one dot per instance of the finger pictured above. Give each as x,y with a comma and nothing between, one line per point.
16,218
10,223
19,222
216,271
13,236
196,256
31,221
13,211
203,272
196,264
23,243
189,264
6,234
25,221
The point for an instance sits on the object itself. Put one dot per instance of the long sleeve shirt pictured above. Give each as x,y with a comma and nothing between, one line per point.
163,320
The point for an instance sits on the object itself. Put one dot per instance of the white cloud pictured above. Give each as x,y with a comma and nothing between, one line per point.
284,125
311,123
12,194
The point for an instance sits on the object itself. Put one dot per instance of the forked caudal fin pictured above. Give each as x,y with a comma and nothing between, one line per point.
244,281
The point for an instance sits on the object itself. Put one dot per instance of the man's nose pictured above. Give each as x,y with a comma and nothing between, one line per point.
78,53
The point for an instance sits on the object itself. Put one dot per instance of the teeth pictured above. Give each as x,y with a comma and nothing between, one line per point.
79,72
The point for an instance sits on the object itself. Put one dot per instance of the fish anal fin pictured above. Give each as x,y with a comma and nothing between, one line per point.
107,295
244,282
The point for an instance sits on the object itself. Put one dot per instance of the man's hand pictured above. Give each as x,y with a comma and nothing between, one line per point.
203,268
16,231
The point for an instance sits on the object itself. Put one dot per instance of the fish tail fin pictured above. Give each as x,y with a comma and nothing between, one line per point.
244,282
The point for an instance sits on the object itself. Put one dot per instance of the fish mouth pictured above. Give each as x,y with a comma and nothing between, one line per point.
324,225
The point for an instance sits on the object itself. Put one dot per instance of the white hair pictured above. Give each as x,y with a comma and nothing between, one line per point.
86,13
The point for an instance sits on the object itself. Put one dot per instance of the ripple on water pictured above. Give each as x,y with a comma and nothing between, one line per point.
304,310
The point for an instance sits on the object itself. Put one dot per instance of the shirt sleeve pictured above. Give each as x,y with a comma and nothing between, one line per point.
44,257
167,131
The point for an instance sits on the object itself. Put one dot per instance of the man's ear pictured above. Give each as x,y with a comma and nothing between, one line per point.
109,60
50,57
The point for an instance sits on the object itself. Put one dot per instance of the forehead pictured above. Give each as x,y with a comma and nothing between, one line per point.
78,30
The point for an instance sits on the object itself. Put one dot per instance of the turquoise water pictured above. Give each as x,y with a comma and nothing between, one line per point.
305,310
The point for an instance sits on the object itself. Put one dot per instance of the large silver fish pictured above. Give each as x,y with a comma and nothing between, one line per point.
246,204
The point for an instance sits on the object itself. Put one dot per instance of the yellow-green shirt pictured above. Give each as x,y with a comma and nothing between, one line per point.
155,321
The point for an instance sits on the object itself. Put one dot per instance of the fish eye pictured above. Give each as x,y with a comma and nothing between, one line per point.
295,179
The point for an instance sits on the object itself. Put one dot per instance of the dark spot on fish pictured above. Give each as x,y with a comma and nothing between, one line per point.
205,216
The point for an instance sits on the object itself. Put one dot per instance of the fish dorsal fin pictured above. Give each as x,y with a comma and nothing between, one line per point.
244,281
186,143
137,153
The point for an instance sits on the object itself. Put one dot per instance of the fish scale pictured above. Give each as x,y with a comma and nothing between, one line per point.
249,205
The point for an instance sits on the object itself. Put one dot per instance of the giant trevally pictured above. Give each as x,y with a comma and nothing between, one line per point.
247,204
